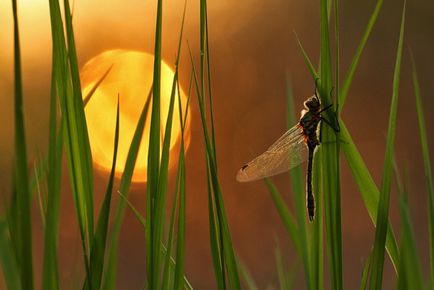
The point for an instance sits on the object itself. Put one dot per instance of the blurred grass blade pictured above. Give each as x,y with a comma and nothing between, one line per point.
409,271
97,253
427,167
245,274
309,64
352,69
365,273
124,187
142,221
7,259
285,214
383,204
22,223
306,249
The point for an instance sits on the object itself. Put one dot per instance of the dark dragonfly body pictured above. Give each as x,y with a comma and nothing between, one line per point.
291,149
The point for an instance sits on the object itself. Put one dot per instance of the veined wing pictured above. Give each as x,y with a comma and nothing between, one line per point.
287,152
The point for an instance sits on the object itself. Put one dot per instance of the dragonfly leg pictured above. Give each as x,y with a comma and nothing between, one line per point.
334,126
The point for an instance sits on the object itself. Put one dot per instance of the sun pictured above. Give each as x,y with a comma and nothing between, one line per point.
130,77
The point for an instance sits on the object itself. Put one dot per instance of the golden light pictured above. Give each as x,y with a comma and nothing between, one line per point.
130,77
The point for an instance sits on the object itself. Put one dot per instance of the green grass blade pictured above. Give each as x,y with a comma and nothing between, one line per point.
97,254
50,278
110,276
367,188
427,167
383,204
306,58
281,272
330,158
285,214
23,223
409,271
180,253
76,139
153,237
245,274
352,69
95,86
365,273
142,221
84,158
227,253
7,259
306,250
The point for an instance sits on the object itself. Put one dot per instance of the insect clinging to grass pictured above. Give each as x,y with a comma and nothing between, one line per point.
291,149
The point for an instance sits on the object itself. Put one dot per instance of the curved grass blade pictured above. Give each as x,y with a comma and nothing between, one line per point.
50,278
153,231
383,204
95,87
352,69
7,259
409,271
142,221
100,238
124,187
221,244
427,167
23,225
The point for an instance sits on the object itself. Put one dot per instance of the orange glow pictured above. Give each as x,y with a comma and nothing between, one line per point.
131,78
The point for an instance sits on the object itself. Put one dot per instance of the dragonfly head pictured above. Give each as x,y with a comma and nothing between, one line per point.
312,104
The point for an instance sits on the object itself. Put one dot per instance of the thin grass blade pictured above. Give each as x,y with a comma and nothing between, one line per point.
383,204
23,241
352,69
427,167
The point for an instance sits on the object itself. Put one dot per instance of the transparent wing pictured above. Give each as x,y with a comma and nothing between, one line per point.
287,152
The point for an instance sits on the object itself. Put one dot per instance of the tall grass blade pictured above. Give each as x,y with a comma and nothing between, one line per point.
409,271
7,259
367,188
84,158
124,187
383,204
330,158
22,223
365,273
142,221
97,254
153,231
310,237
285,214
352,69
247,276
50,275
427,167
224,255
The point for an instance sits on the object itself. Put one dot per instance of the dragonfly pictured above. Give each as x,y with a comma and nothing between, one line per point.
292,149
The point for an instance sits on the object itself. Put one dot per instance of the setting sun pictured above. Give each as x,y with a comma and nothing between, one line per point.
130,77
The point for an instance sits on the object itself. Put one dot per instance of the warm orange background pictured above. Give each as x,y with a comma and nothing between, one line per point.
253,49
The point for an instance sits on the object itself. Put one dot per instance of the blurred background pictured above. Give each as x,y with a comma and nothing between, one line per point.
253,54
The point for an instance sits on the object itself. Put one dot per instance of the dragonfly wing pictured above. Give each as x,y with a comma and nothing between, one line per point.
287,152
